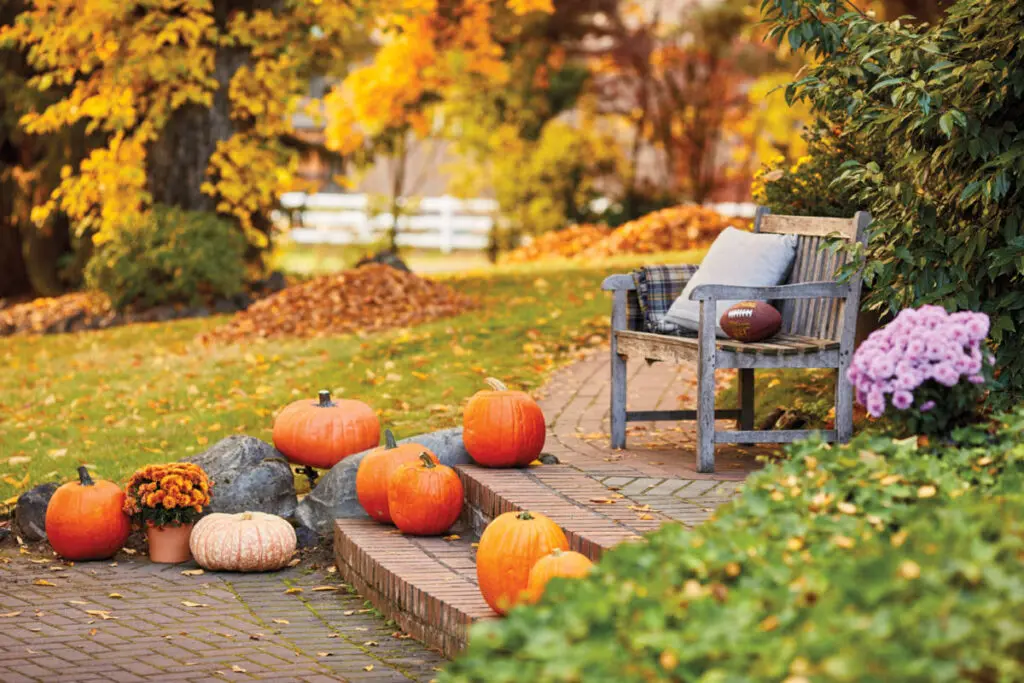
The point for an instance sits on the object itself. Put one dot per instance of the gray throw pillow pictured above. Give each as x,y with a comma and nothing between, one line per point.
738,258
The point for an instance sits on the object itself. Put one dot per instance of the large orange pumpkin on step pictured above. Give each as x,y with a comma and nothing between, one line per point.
424,498
508,549
503,428
565,563
85,519
322,433
376,469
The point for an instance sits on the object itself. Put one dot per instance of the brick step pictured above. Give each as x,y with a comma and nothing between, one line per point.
427,585
593,518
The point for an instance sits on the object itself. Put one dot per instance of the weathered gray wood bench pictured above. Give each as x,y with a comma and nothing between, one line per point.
819,318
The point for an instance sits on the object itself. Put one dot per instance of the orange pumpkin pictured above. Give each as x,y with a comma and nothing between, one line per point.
376,469
424,497
508,549
85,519
322,433
570,564
503,428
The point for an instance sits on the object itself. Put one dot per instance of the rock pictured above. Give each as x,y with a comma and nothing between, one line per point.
5,533
30,512
388,258
197,312
248,475
334,497
549,459
275,282
306,537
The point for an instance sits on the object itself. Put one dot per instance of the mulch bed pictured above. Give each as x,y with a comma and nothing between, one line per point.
373,297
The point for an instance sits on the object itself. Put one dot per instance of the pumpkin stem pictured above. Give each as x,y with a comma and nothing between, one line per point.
524,515
325,399
83,477
389,440
496,384
427,462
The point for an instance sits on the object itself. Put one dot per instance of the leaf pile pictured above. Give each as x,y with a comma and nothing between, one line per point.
373,297
674,229
71,312
560,243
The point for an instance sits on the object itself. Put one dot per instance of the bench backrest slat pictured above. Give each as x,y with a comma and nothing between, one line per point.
822,318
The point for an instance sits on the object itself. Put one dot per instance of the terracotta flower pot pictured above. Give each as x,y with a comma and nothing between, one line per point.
169,544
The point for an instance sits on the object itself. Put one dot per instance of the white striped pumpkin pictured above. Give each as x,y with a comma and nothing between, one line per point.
244,542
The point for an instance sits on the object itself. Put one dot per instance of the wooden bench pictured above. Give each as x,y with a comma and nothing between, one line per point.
819,318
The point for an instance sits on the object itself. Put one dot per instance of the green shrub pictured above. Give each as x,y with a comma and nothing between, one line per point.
173,256
944,103
876,561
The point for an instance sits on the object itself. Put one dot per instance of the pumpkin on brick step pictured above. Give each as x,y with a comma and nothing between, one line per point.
322,433
564,563
503,428
424,497
376,469
508,549
85,519
243,542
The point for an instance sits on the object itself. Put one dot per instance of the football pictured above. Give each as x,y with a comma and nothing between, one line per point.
751,321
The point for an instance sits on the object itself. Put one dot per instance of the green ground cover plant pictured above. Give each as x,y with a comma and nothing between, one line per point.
878,560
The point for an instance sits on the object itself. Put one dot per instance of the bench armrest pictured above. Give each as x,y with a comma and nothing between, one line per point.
802,290
616,283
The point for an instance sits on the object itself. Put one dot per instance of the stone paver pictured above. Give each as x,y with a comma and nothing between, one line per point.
658,467
132,620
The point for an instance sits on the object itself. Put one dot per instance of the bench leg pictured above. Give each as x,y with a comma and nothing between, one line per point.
746,396
618,408
844,406
706,415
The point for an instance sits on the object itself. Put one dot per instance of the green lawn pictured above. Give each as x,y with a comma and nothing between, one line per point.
121,398
315,259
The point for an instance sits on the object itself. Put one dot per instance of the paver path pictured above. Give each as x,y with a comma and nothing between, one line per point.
62,623
161,625
658,467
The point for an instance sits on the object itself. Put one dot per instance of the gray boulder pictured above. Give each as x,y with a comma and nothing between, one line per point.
248,474
30,512
334,497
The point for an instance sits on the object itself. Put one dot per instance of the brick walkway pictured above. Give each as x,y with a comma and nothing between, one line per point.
658,467
163,625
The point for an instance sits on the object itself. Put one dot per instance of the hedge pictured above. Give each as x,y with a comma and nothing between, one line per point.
878,560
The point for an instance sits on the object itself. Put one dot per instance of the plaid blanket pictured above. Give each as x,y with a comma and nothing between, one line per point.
656,288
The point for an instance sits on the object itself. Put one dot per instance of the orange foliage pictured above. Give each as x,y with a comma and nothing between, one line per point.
560,243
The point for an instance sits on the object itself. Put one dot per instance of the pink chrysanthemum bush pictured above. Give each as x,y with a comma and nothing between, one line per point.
929,365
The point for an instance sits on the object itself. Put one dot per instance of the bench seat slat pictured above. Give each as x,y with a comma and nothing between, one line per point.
637,343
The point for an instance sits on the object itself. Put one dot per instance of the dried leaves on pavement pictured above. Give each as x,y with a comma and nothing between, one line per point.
373,297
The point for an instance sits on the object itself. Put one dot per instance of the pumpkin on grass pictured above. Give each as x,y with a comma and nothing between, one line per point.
503,428
376,469
424,497
324,432
243,542
508,549
85,519
565,563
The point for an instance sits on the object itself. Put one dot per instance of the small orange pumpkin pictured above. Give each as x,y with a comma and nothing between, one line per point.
85,519
569,564
508,549
424,497
376,469
503,428
323,433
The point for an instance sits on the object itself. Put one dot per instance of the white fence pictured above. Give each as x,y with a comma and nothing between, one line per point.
444,223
